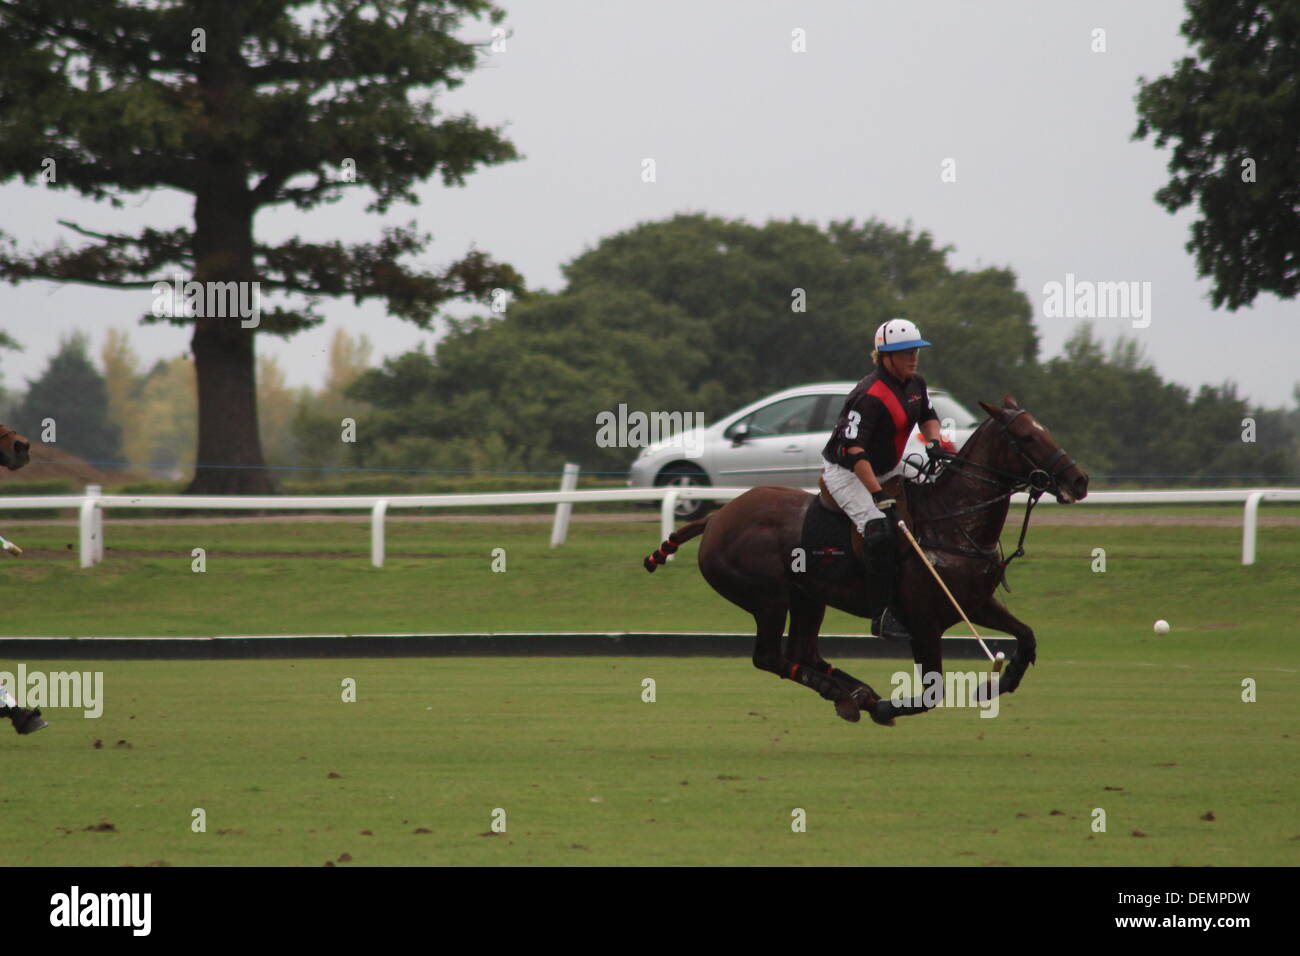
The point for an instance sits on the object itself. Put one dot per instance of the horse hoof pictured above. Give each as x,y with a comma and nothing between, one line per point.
849,710
882,721
27,721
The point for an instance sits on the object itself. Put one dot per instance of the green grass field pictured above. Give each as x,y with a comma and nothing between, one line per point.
1151,730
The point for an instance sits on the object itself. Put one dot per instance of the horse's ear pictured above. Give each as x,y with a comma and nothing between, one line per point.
1009,401
993,410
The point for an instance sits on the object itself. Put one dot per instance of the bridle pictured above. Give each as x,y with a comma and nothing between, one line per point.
1042,478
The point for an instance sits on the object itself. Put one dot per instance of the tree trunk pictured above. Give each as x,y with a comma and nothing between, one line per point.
230,449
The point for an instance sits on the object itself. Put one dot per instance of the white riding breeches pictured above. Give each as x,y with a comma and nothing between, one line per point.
851,494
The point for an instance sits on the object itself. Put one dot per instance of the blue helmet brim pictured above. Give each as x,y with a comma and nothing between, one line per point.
903,346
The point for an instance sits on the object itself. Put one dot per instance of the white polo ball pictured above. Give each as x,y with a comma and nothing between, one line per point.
999,656
1162,626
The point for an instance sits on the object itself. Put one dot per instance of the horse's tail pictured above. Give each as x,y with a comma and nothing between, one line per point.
677,538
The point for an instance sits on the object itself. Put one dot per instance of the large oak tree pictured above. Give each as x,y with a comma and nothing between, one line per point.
245,105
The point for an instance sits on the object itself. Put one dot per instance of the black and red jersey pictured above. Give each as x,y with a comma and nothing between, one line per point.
878,416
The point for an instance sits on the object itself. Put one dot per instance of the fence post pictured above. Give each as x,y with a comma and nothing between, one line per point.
99,527
1248,522
377,532
560,527
90,549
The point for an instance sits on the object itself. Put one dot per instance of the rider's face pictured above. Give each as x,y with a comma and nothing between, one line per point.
902,365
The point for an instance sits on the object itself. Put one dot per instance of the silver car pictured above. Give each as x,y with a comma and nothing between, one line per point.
776,440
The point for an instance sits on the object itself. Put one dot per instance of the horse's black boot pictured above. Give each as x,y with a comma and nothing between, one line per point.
24,721
824,684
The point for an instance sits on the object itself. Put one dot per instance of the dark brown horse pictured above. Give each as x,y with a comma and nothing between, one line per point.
958,519
14,449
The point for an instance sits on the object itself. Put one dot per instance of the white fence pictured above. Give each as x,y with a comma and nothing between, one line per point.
92,505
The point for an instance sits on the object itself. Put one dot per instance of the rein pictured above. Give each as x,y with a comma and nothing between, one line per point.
1037,482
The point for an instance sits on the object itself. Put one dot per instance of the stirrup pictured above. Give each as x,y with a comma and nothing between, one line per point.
887,626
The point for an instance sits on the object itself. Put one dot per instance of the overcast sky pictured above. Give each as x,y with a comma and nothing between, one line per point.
1048,180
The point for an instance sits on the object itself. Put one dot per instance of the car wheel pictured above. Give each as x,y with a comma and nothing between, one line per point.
688,509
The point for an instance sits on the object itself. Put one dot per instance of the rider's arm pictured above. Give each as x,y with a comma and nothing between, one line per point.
930,429
862,468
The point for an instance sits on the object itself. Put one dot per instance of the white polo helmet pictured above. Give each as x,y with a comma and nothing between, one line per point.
896,335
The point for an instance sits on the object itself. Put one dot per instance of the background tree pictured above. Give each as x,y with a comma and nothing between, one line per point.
522,392
316,426
277,403
1235,102
244,106
123,381
72,393
7,398
1117,417
694,314
690,314
168,417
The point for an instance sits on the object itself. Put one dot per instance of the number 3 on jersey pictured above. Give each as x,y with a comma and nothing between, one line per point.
851,430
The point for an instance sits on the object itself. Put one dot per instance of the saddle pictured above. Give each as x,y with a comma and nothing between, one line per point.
895,488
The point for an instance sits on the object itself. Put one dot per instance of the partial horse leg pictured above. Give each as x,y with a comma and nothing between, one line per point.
767,646
768,657
995,615
24,721
927,650
806,615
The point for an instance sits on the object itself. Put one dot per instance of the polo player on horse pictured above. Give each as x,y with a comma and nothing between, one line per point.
866,450
14,450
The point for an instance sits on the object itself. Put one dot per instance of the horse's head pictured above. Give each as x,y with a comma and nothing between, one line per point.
14,449
1033,454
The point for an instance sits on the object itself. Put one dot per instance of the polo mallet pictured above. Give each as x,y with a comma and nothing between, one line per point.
10,546
1001,658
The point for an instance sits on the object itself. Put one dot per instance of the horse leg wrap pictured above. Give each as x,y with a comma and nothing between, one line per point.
824,684
852,684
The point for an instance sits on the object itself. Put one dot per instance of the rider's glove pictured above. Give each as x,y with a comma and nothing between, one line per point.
938,447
